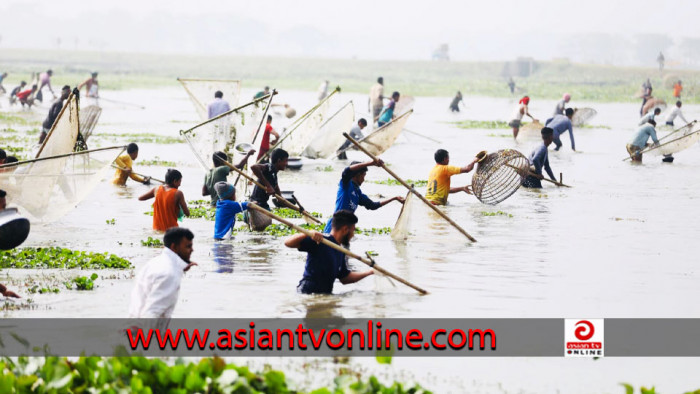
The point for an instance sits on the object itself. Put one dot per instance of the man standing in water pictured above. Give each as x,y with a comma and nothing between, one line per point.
646,95
439,179
267,176
324,264
639,141
511,85
266,143
561,105
454,105
15,91
356,133
387,114
45,80
674,114
677,89
54,111
349,195
125,164
262,93
376,98
169,202
561,124
218,106
219,174
649,116
520,111
539,159
661,59
157,284
91,86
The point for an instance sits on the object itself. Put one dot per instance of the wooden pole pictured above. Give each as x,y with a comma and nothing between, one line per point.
528,172
227,113
262,120
55,122
279,197
145,176
82,152
369,262
411,189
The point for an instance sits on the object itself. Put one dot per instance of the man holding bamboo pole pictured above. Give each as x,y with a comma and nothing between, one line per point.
324,264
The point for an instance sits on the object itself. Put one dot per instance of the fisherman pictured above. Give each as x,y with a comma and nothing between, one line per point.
2,78
267,176
265,144
639,141
323,90
13,94
356,133
124,164
324,264
218,106
561,105
439,178
387,114
349,195
511,85
54,111
539,159
561,124
661,59
520,111
26,97
646,95
91,86
649,116
169,202
676,112
3,156
454,106
262,93
677,89
376,98
45,80
157,284
226,210
219,174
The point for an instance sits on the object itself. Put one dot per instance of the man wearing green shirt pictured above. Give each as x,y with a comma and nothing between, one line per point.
219,174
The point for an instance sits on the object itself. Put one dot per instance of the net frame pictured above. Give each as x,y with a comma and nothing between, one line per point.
330,135
63,135
405,104
89,116
201,92
403,222
530,131
677,141
583,115
381,139
499,176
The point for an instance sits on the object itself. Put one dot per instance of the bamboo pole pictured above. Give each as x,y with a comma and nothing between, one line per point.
262,120
279,197
240,107
55,122
370,262
421,135
17,163
365,138
411,189
136,173
528,172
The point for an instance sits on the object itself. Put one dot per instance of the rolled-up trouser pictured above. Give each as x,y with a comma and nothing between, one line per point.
532,182
633,151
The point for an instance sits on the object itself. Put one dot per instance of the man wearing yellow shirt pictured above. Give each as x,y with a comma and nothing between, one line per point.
439,179
125,163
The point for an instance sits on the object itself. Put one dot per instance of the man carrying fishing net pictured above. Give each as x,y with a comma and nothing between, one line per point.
54,111
439,178
349,195
639,141
539,159
356,133
324,264
124,164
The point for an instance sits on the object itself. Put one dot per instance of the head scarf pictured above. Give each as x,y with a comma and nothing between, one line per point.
525,100
567,97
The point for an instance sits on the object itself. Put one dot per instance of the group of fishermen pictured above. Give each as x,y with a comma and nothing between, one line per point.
28,96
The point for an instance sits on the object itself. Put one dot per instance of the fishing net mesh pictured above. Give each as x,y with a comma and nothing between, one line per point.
677,141
583,115
652,104
403,223
258,221
88,120
63,136
47,190
301,135
404,105
499,175
330,135
383,138
201,92
530,131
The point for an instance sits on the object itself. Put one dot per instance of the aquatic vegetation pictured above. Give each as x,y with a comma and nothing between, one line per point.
394,182
16,119
43,290
203,212
374,230
152,375
500,135
82,282
55,257
481,124
629,389
158,162
292,214
111,221
148,138
372,253
325,169
497,213
152,242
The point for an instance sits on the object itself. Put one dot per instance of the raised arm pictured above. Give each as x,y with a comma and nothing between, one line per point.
359,166
244,160
468,167
148,195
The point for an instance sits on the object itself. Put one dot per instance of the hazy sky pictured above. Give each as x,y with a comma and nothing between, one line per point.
482,30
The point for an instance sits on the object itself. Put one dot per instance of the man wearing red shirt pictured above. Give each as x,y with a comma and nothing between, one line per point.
24,96
265,144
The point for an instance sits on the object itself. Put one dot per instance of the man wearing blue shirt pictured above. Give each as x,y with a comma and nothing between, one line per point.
324,264
639,141
561,124
350,196
539,159
387,114
218,106
226,209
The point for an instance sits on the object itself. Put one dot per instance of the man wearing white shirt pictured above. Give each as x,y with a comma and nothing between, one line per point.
158,282
676,112
650,116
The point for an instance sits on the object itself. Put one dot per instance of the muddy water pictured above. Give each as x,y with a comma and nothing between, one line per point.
621,243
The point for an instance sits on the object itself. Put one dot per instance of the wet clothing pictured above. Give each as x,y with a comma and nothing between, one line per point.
560,108
217,107
439,183
213,176
646,118
54,111
517,118
454,106
676,112
265,143
561,124
323,266
157,286
225,218
350,197
356,133
165,209
124,161
260,196
642,136
388,113
539,158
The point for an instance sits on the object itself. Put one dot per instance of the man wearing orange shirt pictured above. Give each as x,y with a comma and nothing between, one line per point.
439,179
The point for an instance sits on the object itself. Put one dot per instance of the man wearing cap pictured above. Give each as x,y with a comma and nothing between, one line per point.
561,105
350,196
226,209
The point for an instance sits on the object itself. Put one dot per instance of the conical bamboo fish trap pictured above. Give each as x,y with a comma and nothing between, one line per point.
497,176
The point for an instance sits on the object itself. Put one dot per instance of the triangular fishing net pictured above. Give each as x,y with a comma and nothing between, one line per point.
300,136
383,138
330,135
62,137
88,120
582,115
677,141
652,104
46,190
402,227
404,105
201,92
499,175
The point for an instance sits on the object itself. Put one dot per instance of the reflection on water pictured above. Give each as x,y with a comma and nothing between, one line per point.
222,254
